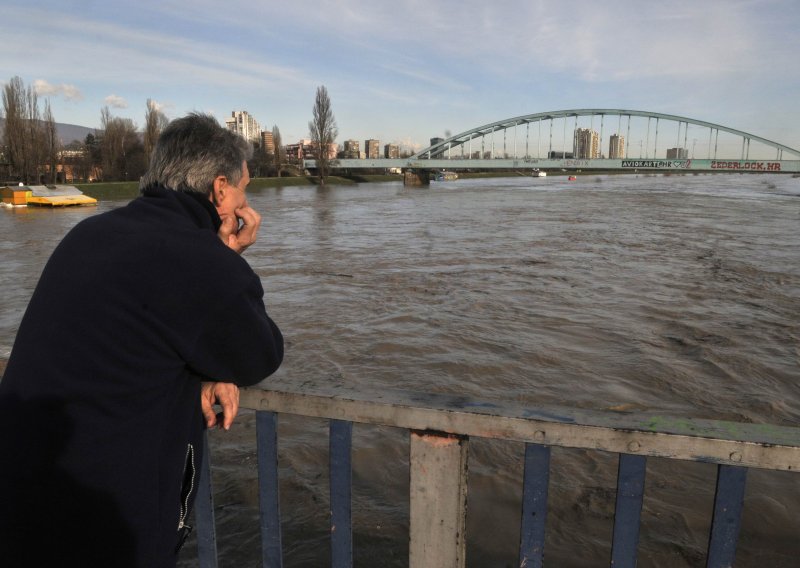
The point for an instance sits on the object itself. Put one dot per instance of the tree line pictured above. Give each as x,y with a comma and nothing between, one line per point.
31,152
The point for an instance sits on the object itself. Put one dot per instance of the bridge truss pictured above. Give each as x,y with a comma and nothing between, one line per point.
473,143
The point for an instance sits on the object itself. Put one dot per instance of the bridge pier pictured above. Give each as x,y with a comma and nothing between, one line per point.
416,177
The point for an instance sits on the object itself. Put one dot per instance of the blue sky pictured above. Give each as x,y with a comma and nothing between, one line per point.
407,70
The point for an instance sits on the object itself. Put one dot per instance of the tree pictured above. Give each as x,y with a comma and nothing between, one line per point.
279,156
121,148
323,132
14,136
51,142
35,136
90,158
154,122
23,131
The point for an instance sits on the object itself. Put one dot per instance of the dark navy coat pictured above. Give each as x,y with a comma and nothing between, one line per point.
100,419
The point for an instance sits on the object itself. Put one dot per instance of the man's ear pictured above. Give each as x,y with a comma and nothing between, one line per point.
219,191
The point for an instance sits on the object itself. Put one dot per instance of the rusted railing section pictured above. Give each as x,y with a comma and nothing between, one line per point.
440,429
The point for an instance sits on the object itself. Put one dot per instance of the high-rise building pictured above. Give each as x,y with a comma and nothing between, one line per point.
586,144
677,154
372,148
435,141
391,151
616,147
267,142
352,149
242,123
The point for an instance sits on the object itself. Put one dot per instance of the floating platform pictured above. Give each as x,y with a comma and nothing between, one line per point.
446,176
44,196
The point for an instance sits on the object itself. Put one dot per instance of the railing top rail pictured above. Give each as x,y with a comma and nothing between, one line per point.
714,441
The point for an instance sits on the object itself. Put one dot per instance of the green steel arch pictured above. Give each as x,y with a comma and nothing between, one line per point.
481,131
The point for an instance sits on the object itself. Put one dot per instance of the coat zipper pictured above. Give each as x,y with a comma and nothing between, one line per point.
186,492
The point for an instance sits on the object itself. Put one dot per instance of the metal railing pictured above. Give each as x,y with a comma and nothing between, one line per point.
440,429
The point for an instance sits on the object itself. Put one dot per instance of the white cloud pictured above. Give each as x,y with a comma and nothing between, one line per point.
116,101
69,92
155,105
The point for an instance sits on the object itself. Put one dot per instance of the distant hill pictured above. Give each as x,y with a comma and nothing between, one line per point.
66,132
69,132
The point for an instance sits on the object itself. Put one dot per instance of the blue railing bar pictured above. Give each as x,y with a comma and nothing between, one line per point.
534,505
341,436
268,494
204,512
630,493
728,504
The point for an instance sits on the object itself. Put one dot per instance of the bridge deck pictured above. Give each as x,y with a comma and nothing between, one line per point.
627,165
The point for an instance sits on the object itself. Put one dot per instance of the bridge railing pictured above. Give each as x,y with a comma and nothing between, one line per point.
440,429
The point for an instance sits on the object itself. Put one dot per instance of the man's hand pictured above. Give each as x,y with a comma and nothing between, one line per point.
224,394
238,237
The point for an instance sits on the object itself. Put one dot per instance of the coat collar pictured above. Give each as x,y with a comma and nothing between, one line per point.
197,205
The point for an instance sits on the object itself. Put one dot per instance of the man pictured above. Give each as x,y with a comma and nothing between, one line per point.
144,317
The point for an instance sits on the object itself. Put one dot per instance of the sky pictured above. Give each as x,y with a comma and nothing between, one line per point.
408,70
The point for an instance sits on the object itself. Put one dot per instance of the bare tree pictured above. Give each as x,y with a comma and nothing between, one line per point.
35,137
323,132
121,149
23,132
279,156
154,122
51,142
14,136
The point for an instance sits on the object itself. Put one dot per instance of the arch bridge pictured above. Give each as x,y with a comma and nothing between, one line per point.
597,139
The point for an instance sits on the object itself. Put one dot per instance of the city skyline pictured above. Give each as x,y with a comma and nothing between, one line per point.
405,75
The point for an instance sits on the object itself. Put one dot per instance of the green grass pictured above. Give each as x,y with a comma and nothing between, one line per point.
110,190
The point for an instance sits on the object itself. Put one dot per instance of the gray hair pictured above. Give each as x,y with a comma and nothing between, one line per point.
192,151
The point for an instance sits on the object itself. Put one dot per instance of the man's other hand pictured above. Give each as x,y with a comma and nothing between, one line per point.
224,394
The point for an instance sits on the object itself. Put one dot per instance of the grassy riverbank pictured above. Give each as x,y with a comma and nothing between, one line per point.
130,189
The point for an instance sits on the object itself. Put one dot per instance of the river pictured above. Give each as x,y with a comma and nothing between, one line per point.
670,294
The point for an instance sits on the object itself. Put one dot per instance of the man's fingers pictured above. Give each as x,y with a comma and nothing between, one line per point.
230,406
251,221
207,403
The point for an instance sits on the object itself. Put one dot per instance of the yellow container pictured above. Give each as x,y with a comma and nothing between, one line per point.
15,195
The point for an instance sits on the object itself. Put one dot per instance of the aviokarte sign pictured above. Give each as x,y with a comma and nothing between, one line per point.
657,164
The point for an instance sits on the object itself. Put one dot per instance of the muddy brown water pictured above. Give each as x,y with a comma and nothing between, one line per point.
670,294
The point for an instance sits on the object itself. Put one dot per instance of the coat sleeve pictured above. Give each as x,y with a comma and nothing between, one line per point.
239,343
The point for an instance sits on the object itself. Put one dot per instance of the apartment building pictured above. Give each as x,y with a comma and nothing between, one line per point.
586,144
616,147
352,150
267,142
677,154
372,149
391,151
242,123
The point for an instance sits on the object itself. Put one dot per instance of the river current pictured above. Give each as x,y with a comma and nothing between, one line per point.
671,294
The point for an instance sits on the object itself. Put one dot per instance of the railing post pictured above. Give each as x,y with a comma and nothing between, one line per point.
268,494
438,500
728,504
204,512
534,505
628,512
341,436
